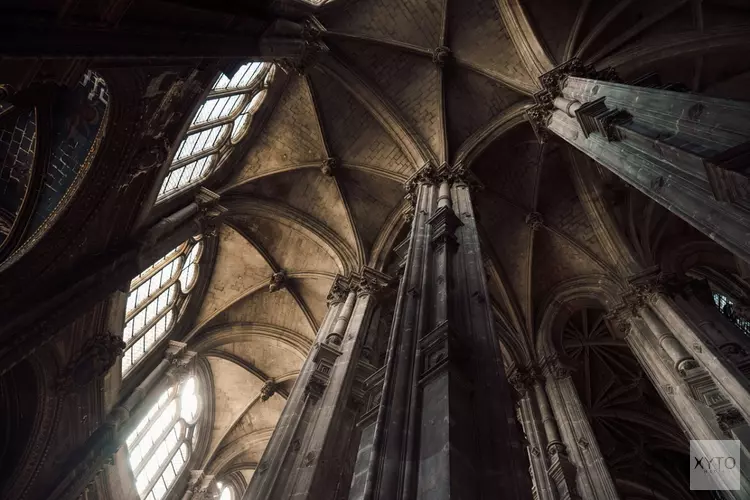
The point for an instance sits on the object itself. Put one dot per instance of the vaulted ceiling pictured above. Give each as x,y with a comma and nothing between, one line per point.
403,83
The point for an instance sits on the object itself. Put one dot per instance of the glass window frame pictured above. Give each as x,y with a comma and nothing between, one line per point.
246,84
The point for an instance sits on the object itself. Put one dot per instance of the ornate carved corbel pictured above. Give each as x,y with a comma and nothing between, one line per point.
95,358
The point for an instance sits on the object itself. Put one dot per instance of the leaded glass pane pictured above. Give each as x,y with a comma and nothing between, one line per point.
229,105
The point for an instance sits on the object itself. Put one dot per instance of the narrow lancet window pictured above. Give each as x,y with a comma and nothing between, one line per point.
728,309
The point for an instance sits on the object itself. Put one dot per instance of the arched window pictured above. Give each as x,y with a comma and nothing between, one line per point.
219,123
226,492
33,189
161,445
727,308
156,298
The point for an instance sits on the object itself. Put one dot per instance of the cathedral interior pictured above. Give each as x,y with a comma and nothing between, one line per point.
372,249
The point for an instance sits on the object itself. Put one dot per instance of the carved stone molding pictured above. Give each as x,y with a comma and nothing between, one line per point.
555,369
594,116
371,282
324,359
552,84
94,359
729,419
523,380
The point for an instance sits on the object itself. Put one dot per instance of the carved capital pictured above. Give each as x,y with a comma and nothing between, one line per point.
339,290
555,369
523,380
278,281
94,359
729,175
371,282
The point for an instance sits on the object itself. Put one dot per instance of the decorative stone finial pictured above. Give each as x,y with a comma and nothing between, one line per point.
278,281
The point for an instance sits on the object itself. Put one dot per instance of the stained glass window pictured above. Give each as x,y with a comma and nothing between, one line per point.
221,120
160,446
727,308
155,298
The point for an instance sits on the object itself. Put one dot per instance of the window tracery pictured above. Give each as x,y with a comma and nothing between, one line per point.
728,309
162,444
155,299
221,120
226,492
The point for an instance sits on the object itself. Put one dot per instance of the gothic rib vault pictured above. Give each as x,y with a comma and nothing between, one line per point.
319,192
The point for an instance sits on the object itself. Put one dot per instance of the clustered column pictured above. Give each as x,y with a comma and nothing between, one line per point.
307,451
445,425
673,337
687,151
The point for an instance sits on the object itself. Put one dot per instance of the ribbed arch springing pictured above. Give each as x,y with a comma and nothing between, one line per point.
156,298
220,121
161,445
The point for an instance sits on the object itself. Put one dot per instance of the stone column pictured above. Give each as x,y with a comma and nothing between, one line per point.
688,152
727,376
695,417
101,447
532,423
446,426
306,452
594,479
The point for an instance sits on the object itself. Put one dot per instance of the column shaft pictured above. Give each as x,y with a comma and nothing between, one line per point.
686,151
727,376
448,427
306,453
694,417
594,479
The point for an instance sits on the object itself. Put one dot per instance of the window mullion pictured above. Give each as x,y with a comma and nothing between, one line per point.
166,464
162,436
206,152
154,296
155,271
156,416
218,122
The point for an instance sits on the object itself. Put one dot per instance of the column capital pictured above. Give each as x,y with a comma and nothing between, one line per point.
523,379
552,83
370,282
553,368
435,175
180,360
339,290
